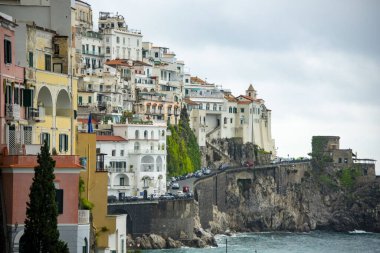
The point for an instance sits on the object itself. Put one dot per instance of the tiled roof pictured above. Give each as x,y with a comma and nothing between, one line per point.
141,63
109,138
190,102
195,79
118,62
246,97
230,98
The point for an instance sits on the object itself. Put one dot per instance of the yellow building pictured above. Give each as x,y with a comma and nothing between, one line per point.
95,179
53,92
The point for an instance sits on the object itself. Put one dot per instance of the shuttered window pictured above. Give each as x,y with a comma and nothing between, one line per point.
63,143
45,137
7,51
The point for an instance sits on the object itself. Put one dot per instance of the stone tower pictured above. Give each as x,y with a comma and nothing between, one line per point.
251,92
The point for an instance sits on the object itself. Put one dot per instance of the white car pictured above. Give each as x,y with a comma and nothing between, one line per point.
175,186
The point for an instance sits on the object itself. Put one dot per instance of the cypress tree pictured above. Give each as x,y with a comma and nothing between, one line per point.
41,233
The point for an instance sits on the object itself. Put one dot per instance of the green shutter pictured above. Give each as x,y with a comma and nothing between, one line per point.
27,98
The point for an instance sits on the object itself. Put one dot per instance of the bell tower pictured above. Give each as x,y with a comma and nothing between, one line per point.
251,92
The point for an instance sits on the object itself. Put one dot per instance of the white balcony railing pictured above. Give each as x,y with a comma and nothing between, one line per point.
13,111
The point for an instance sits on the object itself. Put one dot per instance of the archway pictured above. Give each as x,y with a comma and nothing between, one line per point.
44,100
63,104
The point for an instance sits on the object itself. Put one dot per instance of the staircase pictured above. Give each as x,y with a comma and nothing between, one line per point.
216,149
212,131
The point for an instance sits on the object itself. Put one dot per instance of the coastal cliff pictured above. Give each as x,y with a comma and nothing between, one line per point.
259,203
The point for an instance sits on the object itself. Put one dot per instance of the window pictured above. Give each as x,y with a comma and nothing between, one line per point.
47,62
121,181
31,59
99,51
145,134
137,134
63,143
7,51
138,42
225,120
156,55
59,200
113,152
89,99
117,40
137,146
45,137
241,109
108,50
83,49
163,133
80,100
93,49
122,152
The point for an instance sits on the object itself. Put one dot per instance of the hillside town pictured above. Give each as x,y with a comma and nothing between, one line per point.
102,98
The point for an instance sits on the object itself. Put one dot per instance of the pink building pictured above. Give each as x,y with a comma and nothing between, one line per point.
12,112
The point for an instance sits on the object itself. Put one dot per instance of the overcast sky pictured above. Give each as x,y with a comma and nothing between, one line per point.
316,63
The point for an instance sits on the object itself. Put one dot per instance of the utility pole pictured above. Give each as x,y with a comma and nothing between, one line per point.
226,245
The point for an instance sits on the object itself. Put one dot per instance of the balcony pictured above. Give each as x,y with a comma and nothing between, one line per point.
12,111
83,217
36,114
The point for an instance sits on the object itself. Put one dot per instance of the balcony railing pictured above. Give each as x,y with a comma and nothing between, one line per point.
83,216
36,114
12,111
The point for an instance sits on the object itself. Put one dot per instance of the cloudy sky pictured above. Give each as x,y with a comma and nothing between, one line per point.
316,63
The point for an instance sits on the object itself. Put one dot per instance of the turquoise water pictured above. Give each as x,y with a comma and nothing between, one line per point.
315,241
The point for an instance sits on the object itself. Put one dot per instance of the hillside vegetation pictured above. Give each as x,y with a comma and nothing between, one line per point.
183,150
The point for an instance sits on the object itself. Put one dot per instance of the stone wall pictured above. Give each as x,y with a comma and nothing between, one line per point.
172,218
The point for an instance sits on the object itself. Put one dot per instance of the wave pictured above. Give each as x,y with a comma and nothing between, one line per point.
359,232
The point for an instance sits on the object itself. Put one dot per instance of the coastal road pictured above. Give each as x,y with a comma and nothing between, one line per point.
186,182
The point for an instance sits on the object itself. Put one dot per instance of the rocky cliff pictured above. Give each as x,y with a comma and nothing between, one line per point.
303,206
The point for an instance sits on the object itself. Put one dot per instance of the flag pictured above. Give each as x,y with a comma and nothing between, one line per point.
89,124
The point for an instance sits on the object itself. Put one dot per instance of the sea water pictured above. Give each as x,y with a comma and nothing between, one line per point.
316,241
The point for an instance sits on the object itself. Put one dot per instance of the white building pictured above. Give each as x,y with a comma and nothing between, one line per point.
120,42
216,114
136,159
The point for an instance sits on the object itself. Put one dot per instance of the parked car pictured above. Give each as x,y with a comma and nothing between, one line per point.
248,163
223,166
175,186
166,197
185,188
207,172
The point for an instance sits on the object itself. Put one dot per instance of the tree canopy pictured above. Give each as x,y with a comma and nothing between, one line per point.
183,149
41,233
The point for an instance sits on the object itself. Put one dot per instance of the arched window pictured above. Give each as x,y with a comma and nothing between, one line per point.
108,50
145,134
207,106
136,134
230,109
137,146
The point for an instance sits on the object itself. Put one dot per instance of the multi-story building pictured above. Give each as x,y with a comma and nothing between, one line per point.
216,113
111,230
92,52
135,158
13,118
120,42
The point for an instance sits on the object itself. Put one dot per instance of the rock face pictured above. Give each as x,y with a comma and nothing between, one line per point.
153,241
303,206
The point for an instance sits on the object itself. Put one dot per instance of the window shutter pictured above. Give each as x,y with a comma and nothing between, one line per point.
66,142
27,98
